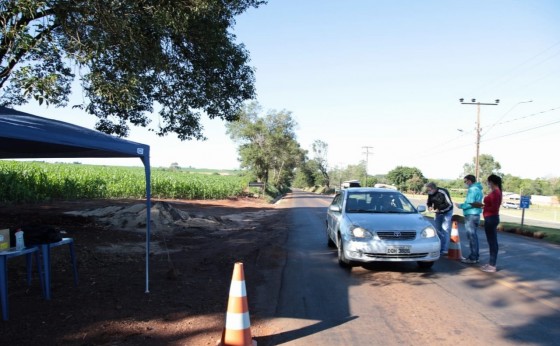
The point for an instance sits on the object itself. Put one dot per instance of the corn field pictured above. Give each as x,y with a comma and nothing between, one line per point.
40,181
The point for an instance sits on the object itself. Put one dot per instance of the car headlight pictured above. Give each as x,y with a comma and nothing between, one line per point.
428,232
359,232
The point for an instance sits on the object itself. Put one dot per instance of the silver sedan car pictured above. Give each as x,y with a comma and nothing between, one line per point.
375,224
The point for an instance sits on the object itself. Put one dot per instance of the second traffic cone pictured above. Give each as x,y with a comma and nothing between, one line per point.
454,251
237,331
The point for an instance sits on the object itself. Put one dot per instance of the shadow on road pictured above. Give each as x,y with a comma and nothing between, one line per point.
315,294
291,335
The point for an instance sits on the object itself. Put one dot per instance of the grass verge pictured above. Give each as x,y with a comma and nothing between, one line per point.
551,235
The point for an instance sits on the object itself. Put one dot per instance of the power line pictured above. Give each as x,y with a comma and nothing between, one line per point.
538,79
525,130
527,116
486,140
430,153
504,78
463,134
444,148
506,113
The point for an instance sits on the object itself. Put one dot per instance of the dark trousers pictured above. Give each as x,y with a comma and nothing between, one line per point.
491,228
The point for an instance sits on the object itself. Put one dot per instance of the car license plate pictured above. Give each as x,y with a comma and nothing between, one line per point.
398,250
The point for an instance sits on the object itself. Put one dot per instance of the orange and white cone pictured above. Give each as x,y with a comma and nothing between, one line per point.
454,251
237,331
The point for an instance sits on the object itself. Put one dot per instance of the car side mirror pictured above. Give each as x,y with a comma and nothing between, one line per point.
334,208
421,208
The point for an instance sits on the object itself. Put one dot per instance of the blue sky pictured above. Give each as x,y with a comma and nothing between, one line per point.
389,75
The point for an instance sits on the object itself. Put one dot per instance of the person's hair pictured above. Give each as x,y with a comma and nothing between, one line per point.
496,180
431,185
470,178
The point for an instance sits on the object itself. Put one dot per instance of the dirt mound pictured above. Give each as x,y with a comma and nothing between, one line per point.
166,221
166,218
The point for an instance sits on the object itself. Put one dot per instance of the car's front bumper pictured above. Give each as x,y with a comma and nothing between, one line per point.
383,251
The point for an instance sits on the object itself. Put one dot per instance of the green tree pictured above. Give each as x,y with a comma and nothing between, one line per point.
336,175
267,144
511,183
555,187
487,165
287,156
415,184
304,176
530,187
546,187
372,180
357,172
179,56
320,151
405,177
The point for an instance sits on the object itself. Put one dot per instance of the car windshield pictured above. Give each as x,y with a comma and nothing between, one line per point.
378,202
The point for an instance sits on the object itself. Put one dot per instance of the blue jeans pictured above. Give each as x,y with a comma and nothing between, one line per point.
443,228
491,228
471,225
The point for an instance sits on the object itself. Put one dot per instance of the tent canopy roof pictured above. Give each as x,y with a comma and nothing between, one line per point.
26,136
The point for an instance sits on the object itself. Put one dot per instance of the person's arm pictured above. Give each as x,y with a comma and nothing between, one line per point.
468,200
429,202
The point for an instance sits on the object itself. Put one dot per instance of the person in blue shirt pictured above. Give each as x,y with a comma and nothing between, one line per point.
472,210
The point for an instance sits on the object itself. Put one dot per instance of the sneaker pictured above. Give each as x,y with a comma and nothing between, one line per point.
488,268
443,253
469,261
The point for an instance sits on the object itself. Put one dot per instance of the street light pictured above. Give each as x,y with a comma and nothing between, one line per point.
478,104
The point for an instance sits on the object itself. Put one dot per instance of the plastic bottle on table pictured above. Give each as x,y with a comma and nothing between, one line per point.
20,244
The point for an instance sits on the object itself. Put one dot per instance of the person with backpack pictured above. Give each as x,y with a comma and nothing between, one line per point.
439,202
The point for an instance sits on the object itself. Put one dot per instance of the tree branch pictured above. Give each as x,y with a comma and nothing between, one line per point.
21,23
4,74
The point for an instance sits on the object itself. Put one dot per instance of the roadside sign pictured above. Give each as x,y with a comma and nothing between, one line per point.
524,202
259,185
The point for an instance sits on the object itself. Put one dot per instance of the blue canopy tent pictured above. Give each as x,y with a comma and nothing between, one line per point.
26,136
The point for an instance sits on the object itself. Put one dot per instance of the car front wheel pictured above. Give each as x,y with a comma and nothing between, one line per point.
342,260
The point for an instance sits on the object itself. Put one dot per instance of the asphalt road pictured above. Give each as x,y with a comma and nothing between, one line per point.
399,304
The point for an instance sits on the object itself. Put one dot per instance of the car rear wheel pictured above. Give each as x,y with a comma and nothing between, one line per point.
425,265
342,260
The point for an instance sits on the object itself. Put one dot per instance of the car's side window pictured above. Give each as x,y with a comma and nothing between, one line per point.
337,200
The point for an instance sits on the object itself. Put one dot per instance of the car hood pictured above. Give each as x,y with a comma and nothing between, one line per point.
389,222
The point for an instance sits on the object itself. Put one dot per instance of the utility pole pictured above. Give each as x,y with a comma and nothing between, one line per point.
367,160
478,104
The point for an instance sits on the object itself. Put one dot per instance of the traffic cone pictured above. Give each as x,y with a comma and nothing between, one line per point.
237,331
454,251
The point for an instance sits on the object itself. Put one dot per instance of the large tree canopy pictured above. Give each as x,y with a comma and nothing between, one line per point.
131,56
